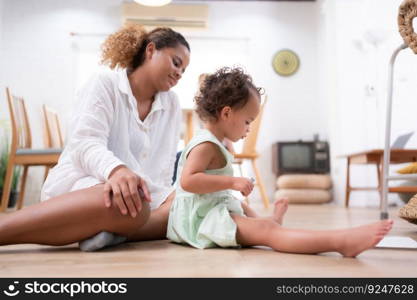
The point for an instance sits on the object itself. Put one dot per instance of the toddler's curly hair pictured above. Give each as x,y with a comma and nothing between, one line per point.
126,47
226,87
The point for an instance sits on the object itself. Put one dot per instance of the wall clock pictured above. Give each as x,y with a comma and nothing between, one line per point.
285,62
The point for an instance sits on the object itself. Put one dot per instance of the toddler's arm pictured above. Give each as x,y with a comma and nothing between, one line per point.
194,180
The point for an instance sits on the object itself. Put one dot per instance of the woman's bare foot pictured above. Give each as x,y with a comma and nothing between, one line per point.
280,208
358,239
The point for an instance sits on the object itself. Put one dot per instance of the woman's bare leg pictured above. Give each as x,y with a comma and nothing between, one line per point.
67,219
156,226
348,242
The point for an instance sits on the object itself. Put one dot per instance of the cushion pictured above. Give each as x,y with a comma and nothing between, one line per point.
405,197
411,168
409,211
45,151
304,181
307,196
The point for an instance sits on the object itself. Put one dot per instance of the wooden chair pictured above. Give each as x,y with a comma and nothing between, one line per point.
189,126
20,150
249,152
53,137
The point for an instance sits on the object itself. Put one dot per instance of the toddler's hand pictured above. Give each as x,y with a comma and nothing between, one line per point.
243,185
128,191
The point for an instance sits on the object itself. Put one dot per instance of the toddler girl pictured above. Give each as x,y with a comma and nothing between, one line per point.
204,213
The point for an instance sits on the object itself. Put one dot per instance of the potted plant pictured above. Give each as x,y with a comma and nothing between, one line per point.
4,159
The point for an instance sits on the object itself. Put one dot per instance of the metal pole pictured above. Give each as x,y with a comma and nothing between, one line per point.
387,152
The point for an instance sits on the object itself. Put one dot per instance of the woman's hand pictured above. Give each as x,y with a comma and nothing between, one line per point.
128,191
243,185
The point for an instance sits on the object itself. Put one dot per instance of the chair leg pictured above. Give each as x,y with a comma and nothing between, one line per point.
347,183
22,188
7,185
240,169
380,171
47,168
260,184
241,174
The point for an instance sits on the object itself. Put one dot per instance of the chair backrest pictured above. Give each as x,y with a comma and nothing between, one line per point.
52,125
21,135
249,144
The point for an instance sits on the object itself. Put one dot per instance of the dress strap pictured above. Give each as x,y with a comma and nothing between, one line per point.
203,136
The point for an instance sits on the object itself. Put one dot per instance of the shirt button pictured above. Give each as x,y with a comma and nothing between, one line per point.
144,155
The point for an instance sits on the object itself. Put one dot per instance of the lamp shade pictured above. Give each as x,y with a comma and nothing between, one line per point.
153,2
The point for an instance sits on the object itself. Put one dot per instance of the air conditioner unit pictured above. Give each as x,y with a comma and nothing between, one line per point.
176,16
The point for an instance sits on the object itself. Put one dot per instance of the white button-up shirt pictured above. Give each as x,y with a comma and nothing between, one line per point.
106,132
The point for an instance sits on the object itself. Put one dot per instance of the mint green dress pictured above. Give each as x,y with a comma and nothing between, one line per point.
203,220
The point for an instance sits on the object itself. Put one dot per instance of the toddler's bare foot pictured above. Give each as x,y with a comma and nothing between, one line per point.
280,208
358,239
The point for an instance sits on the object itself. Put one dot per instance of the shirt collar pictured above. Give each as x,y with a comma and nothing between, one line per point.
124,87
157,104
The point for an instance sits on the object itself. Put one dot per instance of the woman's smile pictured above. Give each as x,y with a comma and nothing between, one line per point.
172,81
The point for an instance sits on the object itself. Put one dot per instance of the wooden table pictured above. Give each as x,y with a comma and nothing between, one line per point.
376,157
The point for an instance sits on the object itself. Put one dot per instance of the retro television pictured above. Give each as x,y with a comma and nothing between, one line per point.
301,157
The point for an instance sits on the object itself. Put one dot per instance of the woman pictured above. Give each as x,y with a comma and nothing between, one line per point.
115,172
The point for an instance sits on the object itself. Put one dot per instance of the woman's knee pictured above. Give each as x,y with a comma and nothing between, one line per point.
126,224
140,219
143,215
112,218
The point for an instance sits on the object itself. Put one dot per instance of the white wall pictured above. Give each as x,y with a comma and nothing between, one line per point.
41,59
1,19
363,35
1,51
3,113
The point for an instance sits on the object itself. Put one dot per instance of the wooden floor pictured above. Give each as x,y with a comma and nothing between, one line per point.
164,259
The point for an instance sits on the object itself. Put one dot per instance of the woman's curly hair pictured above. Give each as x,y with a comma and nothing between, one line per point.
126,47
226,87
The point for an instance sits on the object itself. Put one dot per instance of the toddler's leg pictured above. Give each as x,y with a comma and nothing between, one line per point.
348,242
280,208
249,212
